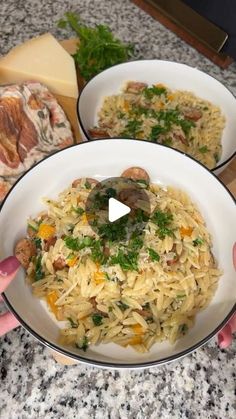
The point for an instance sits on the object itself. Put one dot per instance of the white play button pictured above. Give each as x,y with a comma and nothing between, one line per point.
116,210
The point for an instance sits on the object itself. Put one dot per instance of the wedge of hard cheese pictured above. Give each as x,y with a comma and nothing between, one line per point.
41,59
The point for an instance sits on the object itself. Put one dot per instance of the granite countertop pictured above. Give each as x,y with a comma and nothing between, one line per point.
33,385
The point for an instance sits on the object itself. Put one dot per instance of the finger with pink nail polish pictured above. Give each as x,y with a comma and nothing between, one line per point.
8,270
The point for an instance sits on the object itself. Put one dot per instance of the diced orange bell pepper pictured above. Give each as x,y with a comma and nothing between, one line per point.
87,217
186,231
51,299
71,262
136,340
137,329
126,106
159,85
46,231
99,277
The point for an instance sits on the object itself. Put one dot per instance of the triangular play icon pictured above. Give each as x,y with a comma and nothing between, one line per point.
116,210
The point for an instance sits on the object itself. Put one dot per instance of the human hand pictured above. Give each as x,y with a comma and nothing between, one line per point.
225,335
8,270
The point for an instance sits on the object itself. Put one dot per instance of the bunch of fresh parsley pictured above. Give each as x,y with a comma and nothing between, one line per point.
98,48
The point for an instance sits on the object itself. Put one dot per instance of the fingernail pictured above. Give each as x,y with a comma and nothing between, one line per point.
9,266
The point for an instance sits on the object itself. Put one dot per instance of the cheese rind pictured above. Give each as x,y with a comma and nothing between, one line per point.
41,59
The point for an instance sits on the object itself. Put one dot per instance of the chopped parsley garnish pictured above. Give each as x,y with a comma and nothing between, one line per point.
167,141
87,185
186,125
136,242
180,296
111,193
73,324
143,183
132,128
120,115
97,319
39,274
101,199
122,305
150,92
183,328
84,345
203,149
156,131
216,157
79,210
128,260
163,221
97,253
198,241
78,244
38,243
33,227
153,255
141,216
114,231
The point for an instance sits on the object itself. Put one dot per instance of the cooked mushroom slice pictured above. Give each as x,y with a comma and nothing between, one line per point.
24,250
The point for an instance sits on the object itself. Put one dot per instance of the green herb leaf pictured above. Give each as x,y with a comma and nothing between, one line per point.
87,185
183,328
136,242
79,210
167,141
97,319
153,255
149,92
122,305
163,221
73,324
98,48
128,261
216,157
180,296
114,231
143,183
198,241
97,253
39,274
77,244
84,345
33,227
156,131
203,149
132,128
38,243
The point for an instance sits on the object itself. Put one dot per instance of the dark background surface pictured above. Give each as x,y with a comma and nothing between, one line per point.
223,14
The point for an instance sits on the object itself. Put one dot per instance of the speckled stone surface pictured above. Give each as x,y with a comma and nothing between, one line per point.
33,385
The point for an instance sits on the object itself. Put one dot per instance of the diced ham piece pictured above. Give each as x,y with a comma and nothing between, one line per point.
24,250
135,87
193,114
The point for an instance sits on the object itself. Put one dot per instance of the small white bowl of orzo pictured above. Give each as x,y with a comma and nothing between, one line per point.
162,102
